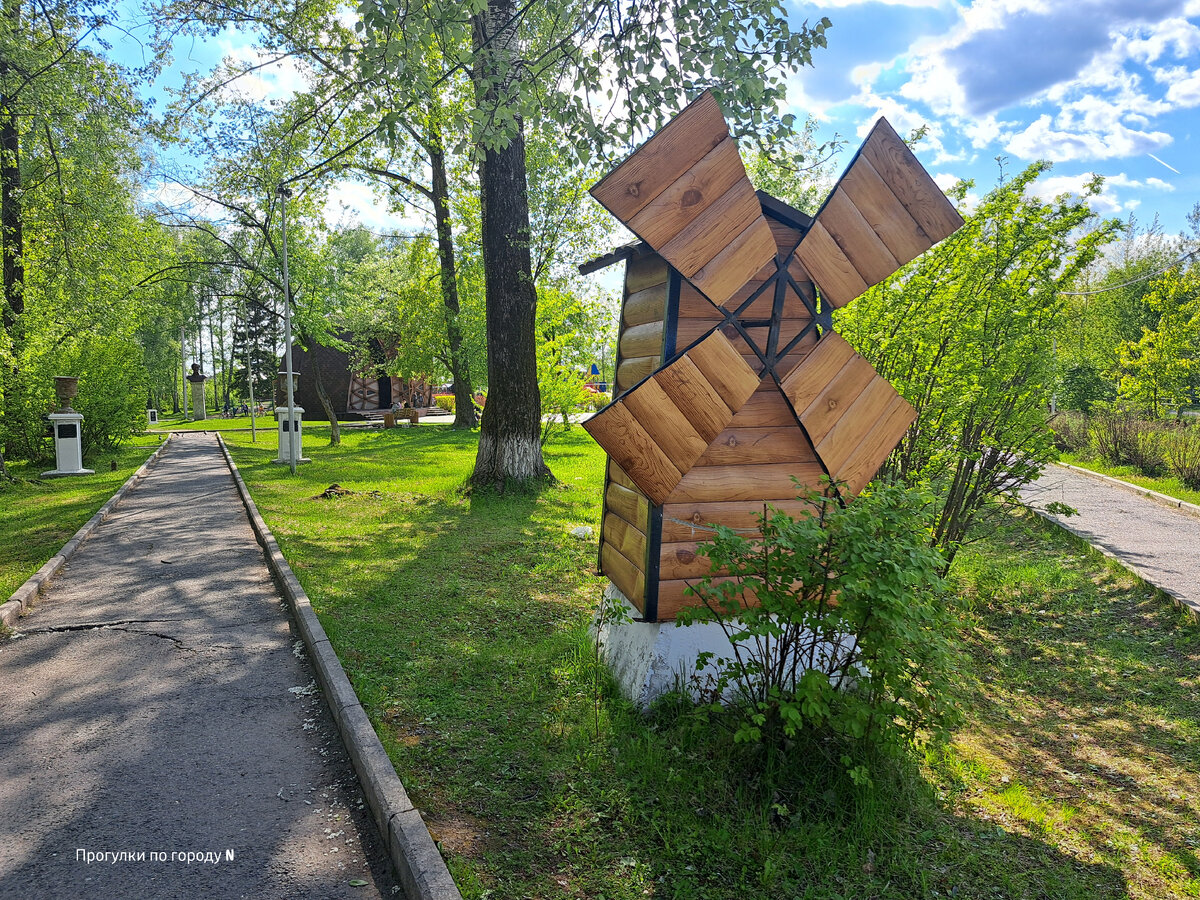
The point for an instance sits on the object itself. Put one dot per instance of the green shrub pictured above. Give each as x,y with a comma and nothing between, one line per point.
445,402
1181,447
1124,439
1071,432
598,401
112,396
1083,385
837,623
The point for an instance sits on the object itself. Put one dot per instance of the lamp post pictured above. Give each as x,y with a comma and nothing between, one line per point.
250,379
284,192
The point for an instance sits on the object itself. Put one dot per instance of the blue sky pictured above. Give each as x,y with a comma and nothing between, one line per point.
1094,86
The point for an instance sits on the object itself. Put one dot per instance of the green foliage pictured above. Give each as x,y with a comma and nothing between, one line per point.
112,391
1109,302
1181,449
1071,431
1082,385
444,402
1122,438
837,621
570,328
965,334
1161,370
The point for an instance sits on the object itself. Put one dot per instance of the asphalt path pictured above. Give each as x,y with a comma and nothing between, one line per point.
161,734
1160,543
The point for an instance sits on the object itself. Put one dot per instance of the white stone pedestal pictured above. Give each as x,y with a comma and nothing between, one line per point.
281,417
649,659
199,410
68,444
152,417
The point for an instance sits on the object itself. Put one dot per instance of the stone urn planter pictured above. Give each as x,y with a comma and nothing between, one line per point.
66,388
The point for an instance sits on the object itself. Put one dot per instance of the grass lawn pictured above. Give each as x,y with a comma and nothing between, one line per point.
1172,487
38,516
462,623
265,423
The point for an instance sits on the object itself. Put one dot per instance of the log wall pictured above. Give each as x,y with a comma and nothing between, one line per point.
625,526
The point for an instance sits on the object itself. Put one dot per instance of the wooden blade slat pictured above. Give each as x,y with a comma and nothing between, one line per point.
695,191
744,256
709,232
658,430
689,389
837,398
855,422
624,439
666,423
886,215
884,211
836,277
685,192
862,464
659,162
911,184
864,248
810,376
725,370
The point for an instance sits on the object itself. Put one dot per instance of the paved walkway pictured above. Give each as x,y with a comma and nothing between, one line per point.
158,702
1160,543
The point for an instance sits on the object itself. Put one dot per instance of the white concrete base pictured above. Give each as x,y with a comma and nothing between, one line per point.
649,659
68,444
297,420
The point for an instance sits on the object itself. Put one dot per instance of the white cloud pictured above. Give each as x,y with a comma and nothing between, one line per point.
271,77
1113,198
842,4
171,197
1042,140
358,203
1185,91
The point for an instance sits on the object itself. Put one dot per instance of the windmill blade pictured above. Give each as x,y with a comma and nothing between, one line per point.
852,415
685,193
658,429
884,212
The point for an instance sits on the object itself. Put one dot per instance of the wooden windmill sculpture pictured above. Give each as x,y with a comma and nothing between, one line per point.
730,379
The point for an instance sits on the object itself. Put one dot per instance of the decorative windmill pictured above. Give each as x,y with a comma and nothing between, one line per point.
730,379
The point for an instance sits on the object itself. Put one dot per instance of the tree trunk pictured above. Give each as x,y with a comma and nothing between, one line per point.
460,368
335,431
12,239
510,450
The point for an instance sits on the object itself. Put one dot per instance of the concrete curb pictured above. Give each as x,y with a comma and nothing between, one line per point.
416,858
23,598
1183,506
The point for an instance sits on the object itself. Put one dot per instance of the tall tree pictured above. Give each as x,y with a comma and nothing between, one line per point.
546,62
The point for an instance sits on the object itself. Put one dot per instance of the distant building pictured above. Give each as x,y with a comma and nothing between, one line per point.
354,396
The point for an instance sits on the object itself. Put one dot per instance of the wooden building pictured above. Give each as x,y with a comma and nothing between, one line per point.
353,395
731,384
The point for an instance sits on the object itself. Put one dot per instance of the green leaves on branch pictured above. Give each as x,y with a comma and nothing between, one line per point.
836,622
965,333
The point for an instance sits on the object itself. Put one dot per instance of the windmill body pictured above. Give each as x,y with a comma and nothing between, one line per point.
731,384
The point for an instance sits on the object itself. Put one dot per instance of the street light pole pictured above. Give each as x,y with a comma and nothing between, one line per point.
250,379
284,193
